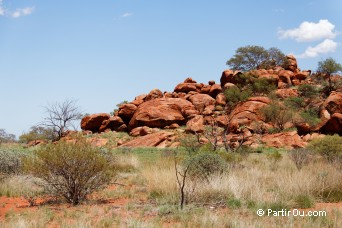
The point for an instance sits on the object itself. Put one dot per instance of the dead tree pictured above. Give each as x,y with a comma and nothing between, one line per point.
61,117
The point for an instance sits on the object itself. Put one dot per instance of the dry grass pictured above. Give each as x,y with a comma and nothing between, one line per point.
149,197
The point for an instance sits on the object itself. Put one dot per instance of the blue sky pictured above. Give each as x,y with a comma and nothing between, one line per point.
103,52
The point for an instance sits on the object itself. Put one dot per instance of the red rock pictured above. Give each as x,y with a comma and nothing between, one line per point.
126,111
195,125
140,131
247,112
113,123
229,76
150,140
303,128
288,140
189,80
285,76
221,99
208,110
139,100
93,122
222,121
333,103
285,93
36,142
156,93
161,112
173,126
229,85
292,63
214,90
211,82
168,95
205,89
333,125
282,85
200,101
302,75
185,87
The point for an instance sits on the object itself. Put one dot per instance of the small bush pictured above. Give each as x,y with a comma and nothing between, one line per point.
300,157
277,114
204,165
304,201
262,86
295,102
310,116
233,203
11,162
307,90
330,147
71,170
235,95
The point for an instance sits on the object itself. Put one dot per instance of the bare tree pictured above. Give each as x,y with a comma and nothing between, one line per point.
61,116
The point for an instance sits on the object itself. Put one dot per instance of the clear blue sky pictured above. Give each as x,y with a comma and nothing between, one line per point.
103,52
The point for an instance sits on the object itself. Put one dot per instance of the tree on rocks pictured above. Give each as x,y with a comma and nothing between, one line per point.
256,57
329,67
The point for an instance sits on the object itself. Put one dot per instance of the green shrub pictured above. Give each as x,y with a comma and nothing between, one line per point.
277,114
310,116
204,165
330,147
235,95
304,201
233,203
37,133
295,102
71,170
262,86
307,90
11,161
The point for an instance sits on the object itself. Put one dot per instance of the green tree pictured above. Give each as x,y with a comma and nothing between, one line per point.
37,133
329,67
254,57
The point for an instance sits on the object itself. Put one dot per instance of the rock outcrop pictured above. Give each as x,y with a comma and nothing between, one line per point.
93,122
162,112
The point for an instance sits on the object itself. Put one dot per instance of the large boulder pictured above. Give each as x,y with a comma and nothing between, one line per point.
162,112
291,63
93,122
126,111
333,103
247,112
333,125
285,93
114,123
195,125
229,76
150,140
200,101
186,87
287,140
155,93
285,76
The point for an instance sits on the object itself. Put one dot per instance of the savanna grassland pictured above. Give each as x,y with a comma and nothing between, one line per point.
145,191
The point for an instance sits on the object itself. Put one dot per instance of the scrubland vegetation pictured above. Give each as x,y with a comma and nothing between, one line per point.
139,188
